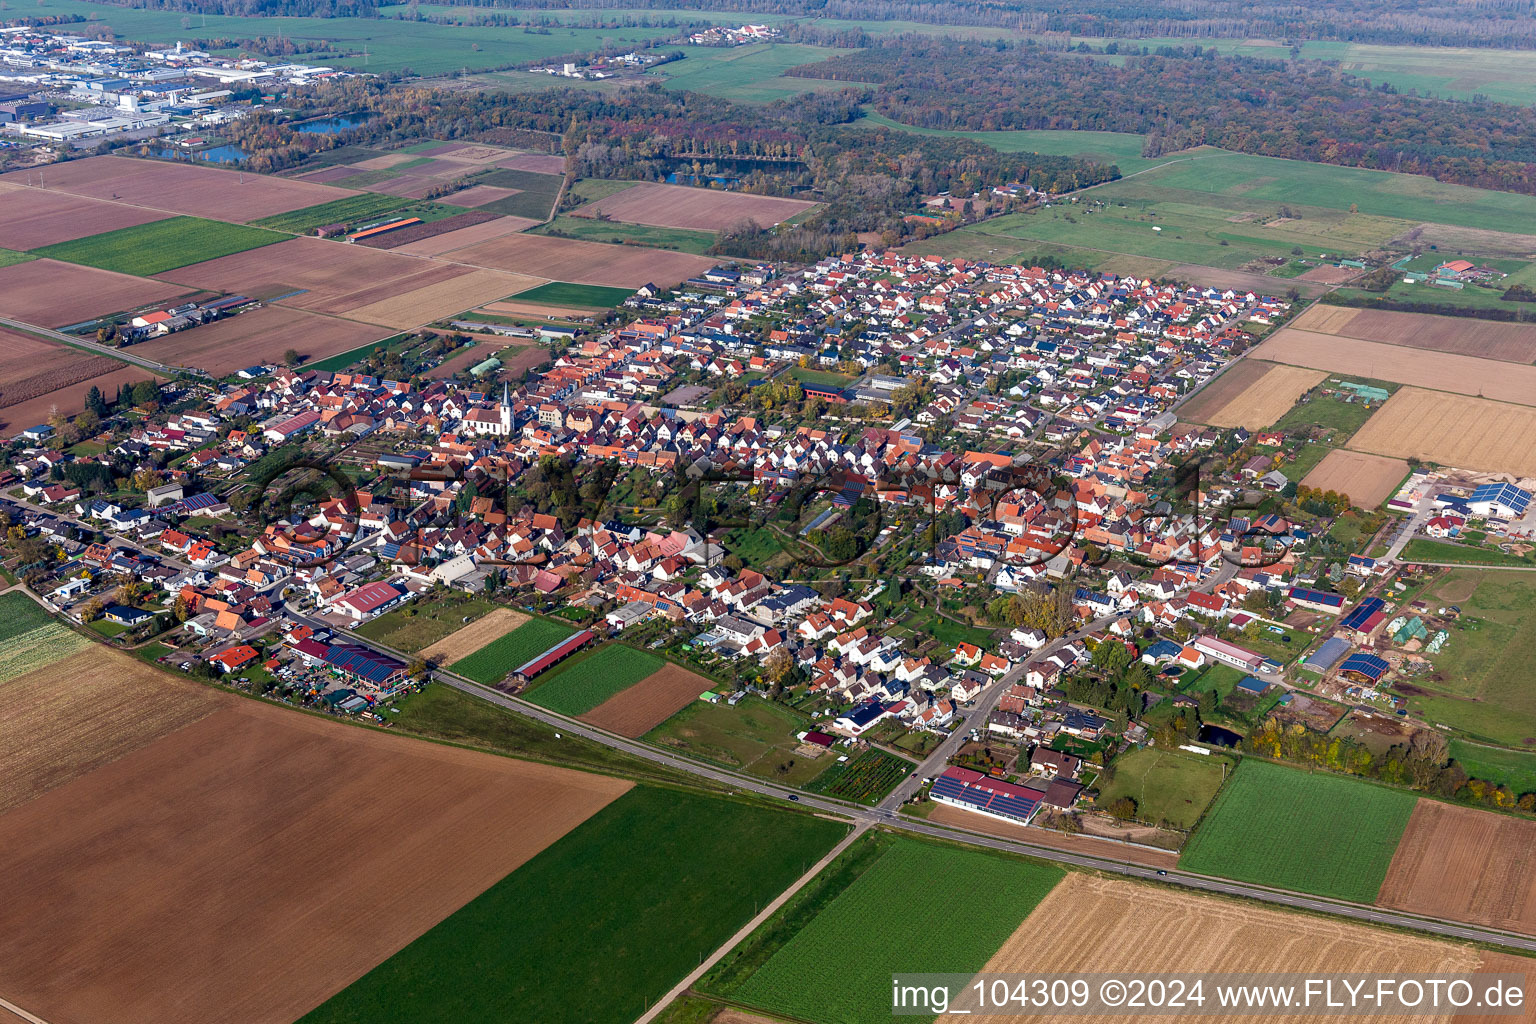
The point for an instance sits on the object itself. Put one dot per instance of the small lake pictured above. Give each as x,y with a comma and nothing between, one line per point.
211,155
1216,736
332,125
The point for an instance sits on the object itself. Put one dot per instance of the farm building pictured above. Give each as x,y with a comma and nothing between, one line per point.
980,794
369,600
1367,668
290,427
1327,655
1229,654
1365,616
556,654
1317,600
1504,500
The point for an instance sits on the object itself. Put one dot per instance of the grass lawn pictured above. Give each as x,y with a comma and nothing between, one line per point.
756,547
1166,786
864,778
1513,768
592,230
1308,831
598,926
1421,549
160,245
1481,683
947,632
887,904
1306,460
108,628
819,378
1122,149
756,736
340,211
585,296
425,621
10,257
493,661
583,683
1340,418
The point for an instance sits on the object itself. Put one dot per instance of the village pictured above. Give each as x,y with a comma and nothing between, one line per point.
940,511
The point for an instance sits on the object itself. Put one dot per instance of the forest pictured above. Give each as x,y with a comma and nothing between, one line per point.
1301,110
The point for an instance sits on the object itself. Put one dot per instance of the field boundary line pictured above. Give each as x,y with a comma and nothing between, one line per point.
23,1014
752,925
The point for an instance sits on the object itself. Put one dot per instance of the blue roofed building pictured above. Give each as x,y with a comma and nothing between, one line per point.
1366,668
1504,500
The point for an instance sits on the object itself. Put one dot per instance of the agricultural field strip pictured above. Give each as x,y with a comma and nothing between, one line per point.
1185,878
37,648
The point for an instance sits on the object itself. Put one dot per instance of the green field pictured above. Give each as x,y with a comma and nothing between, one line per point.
756,736
10,257
1122,149
1421,549
339,211
493,661
342,360
536,193
425,621
30,638
160,245
377,45
1340,419
584,296
581,685
819,378
18,614
864,778
1166,786
598,926
1513,768
1306,460
751,74
1480,684
592,230
1308,831
894,904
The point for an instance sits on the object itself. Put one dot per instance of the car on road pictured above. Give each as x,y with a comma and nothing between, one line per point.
1161,872
794,798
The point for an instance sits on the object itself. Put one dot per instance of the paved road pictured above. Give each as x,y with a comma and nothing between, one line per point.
889,818
96,347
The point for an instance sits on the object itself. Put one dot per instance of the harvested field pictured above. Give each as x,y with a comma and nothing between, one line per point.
449,241
1369,480
1267,399
53,294
1088,846
196,190
702,209
462,643
407,185
565,259
85,711
259,336
1329,275
536,310
326,175
539,163
67,400
1467,865
31,367
36,217
1443,371
1218,394
645,705
1488,339
1453,430
435,300
479,195
420,232
167,878
525,357
379,163
1108,925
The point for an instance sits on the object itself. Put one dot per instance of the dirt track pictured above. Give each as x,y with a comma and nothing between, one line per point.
248,866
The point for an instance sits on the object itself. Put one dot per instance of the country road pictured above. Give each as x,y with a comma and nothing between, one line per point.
94,347
889,817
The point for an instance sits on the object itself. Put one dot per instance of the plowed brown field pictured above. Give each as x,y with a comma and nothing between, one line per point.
1486,338
1467,865
1453,430
1090,924
448,241
703,209
68,400
1218,394
190,189
248,866
637,710
440,299
463,642
1368,479
565,259
259,336
53,294
85,711
1443,371
36,217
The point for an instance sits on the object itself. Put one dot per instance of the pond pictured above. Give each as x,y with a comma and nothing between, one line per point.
212,155
1219,737
332,125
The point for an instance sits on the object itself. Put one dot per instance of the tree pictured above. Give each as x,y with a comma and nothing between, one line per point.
94,402
292,357
1123,808
92,610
